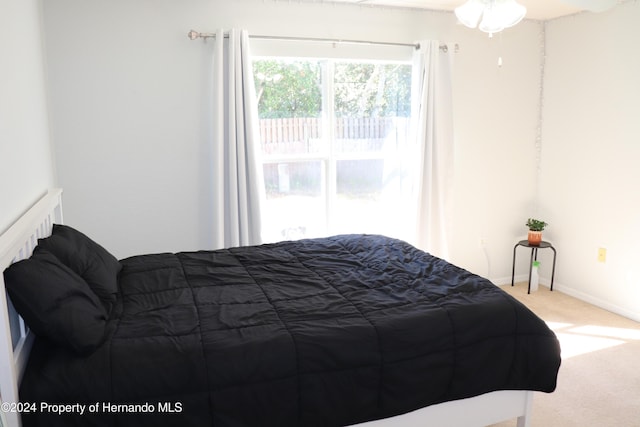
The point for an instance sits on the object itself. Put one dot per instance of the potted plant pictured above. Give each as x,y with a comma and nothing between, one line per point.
535,230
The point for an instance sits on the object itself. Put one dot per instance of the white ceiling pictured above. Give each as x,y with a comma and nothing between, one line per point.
536,9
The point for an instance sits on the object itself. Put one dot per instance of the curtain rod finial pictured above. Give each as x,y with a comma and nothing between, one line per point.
193,34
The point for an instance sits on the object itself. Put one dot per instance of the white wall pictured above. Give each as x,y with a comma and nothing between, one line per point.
591,150
26,166
496,123
131,98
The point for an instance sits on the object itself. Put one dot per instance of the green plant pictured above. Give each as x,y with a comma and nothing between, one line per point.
536,224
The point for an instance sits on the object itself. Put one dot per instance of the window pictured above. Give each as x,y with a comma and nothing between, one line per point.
334,139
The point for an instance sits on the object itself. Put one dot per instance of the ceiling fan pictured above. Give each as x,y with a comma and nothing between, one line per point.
493,16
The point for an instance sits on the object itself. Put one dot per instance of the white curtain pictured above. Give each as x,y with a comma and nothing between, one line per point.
432,113
237,177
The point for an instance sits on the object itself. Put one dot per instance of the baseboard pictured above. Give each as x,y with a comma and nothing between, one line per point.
605,305
501,281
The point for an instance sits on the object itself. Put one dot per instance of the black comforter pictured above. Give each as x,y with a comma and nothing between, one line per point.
314,332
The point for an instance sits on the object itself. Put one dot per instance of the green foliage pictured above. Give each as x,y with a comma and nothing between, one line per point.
536,224
372,89
292,88
288,88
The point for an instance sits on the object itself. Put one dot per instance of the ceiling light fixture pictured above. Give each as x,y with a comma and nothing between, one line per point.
490,16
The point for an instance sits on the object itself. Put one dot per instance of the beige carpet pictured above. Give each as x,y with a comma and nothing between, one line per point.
599,379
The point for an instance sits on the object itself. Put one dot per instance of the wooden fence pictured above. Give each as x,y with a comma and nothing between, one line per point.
304,135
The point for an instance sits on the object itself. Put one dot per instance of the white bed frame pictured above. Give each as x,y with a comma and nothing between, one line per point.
21,238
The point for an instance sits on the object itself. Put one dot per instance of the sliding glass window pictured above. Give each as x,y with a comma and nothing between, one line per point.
334,140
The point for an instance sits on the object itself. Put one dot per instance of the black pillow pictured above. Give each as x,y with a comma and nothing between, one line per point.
88,259
55,302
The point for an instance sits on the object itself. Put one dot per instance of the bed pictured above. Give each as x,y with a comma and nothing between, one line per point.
347,330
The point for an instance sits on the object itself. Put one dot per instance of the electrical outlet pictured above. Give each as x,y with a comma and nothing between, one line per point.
602,255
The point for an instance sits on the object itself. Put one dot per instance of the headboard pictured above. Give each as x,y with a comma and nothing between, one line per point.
17,243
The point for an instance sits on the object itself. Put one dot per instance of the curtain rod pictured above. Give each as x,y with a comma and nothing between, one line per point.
196,35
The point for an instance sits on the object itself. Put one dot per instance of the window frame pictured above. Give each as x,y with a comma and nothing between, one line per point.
328,158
